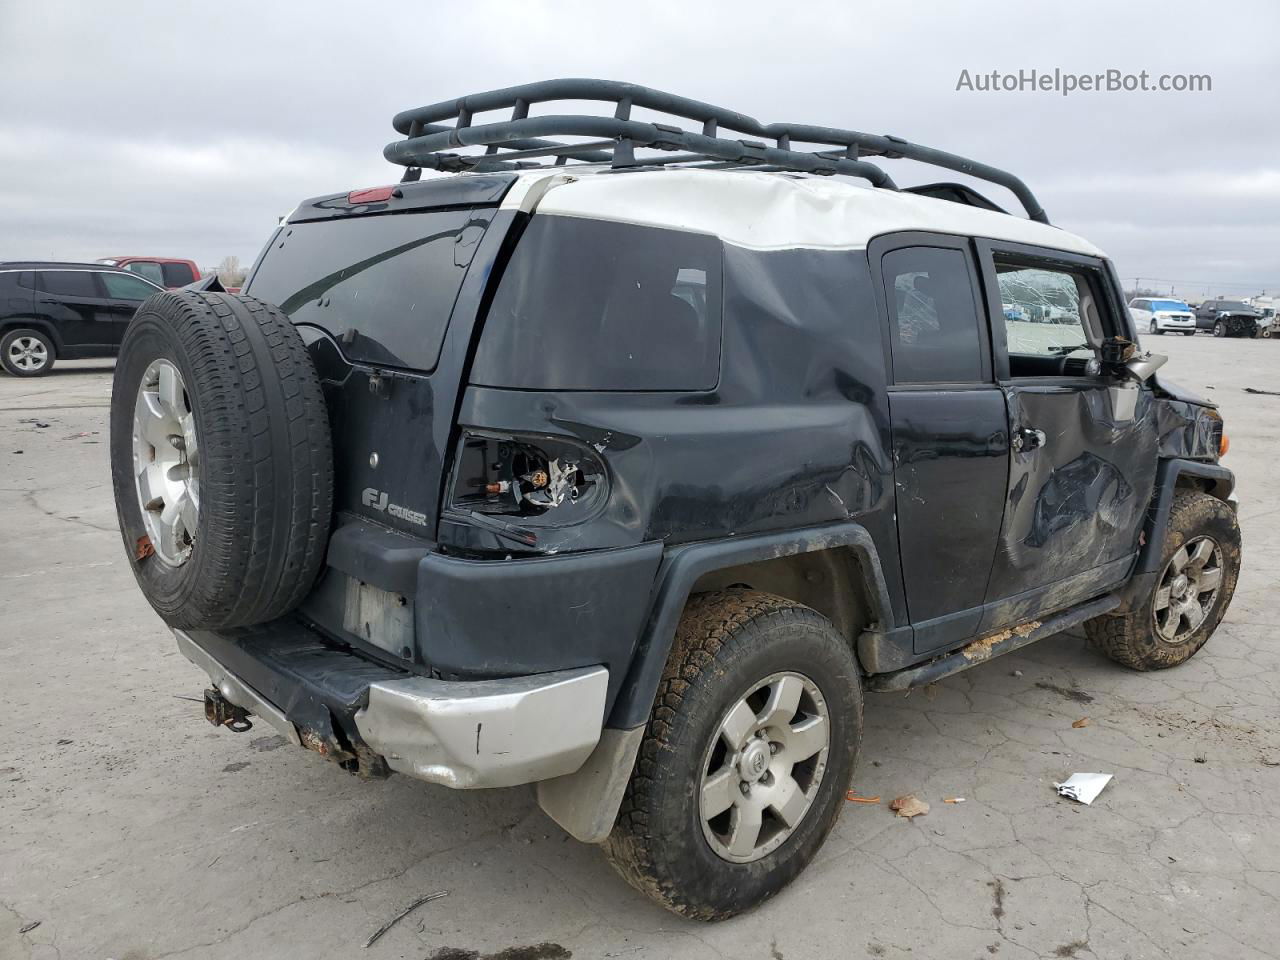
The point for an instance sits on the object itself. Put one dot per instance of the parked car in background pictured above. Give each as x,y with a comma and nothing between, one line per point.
69,311
168,272
1229,318
1162,316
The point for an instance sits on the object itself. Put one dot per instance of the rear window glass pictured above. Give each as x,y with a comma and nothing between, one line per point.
382,286
176,274
593,305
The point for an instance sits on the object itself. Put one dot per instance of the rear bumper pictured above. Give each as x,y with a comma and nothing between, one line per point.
370,718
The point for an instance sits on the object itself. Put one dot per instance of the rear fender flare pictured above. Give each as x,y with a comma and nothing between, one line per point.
684,564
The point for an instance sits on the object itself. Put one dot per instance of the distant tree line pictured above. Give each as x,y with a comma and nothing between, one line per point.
229,271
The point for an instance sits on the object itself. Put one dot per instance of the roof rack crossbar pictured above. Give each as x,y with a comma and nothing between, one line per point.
726,137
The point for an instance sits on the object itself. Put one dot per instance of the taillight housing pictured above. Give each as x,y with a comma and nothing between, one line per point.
549,480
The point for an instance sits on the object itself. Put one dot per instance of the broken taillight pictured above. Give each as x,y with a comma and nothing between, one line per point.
510,476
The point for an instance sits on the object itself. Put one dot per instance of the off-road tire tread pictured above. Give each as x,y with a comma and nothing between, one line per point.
1129,639
709,622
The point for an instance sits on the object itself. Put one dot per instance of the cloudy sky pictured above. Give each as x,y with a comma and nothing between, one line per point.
186,129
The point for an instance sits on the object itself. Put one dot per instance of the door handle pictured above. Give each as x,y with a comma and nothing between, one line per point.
1027,438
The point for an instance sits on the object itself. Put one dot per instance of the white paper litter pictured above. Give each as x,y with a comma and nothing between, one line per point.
1083,787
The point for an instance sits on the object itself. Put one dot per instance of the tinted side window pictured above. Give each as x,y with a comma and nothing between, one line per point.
27,278
69,283
593,305
148,269
936,327
176,274
122,287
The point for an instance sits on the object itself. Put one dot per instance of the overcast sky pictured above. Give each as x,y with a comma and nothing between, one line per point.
186,129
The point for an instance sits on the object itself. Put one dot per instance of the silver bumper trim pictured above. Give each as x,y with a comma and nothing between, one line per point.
235,689
461,733
486,733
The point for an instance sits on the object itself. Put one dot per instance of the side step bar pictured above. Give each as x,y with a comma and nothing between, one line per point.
992,645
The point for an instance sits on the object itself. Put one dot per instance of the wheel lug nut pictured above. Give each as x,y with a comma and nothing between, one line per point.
177,441
744,787
773,748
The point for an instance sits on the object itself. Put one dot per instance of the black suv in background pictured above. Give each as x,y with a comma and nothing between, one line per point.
1229,318
72,311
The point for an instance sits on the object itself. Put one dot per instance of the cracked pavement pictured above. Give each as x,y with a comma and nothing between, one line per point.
130,829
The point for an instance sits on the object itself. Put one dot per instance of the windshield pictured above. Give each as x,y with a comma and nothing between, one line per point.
1234,305
1168,305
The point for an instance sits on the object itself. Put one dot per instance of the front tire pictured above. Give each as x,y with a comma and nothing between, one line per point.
1198,570
1188,333
1155,328
27,353
760,709
1219,329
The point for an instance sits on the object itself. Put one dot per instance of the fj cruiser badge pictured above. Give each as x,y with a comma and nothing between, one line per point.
378,500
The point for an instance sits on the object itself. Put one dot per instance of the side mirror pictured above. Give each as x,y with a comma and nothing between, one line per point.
1141,368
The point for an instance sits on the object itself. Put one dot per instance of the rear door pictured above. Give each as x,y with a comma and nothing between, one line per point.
124,294
1084,443
374,296
949,426
74,301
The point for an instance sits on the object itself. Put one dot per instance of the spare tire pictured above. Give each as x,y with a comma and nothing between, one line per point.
221,459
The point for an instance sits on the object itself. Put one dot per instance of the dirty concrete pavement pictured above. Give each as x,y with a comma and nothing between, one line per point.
129,828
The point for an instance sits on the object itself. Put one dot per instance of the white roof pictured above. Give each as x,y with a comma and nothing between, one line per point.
769,211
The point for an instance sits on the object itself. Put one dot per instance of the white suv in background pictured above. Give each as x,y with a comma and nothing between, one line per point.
1161,316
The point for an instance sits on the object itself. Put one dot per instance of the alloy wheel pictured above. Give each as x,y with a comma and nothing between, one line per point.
764,765
1188,589
166,457
28,354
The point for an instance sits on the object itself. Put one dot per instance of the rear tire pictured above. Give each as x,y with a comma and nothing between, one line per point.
698,850
1188,333
243,509
1136,639
27,353
1219,329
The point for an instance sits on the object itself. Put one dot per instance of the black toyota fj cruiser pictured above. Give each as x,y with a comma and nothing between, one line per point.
627,474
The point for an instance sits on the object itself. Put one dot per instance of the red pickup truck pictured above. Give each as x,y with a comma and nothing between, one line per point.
166,271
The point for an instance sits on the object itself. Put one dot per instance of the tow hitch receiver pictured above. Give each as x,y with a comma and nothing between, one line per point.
221,712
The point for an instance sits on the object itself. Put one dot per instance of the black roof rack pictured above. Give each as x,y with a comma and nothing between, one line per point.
433,132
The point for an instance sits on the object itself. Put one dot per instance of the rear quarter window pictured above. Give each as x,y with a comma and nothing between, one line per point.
594,305
382,286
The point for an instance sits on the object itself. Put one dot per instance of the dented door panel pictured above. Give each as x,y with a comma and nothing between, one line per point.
1077,501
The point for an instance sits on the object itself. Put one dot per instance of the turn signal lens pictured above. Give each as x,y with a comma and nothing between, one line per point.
1224,445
